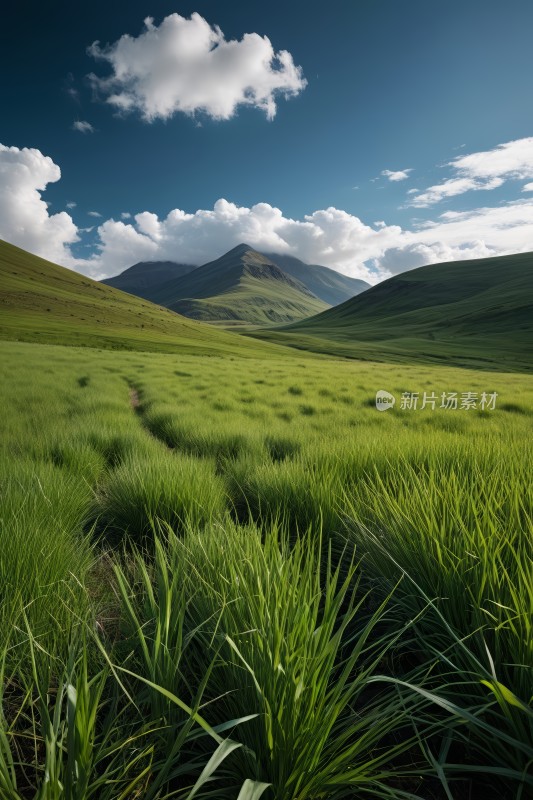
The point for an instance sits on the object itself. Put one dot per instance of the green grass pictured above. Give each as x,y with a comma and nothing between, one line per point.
463,543
46,556
198,514
172,488
297,649
76,733
475,314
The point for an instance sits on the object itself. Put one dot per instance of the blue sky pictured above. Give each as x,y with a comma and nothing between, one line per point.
399,86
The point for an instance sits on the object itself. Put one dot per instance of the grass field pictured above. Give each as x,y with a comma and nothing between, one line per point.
229,575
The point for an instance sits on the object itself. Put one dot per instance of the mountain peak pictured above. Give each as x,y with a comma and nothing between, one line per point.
240,249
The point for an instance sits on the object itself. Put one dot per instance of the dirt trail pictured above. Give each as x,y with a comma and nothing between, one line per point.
134,399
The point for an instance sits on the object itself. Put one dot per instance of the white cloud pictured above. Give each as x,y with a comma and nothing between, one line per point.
512,159
500,229
185,65
455,236
399,175
485,170
82,126
451,188
94,214
24,217
71,204
527,187
125,215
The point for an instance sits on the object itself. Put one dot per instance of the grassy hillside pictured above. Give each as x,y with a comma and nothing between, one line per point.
42,302
327,284
471,313
146,277
240,286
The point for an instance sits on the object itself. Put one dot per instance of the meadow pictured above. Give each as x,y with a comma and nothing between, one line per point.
232,577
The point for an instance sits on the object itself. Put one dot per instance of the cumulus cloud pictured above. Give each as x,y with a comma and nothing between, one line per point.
94,214
71,204
485,170
24,217
399,175
186,65
125,215
527,187
82,126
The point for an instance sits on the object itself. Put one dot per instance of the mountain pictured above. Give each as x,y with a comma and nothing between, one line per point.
240,286
42,302
160,281
327,284
146,277
471,313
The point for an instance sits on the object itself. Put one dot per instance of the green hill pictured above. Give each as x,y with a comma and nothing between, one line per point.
42,302
146,277
240,286
327,284
472,313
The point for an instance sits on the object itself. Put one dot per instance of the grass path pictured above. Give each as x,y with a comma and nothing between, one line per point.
134,399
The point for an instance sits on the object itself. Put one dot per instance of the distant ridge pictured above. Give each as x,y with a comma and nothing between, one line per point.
329,285
146,277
